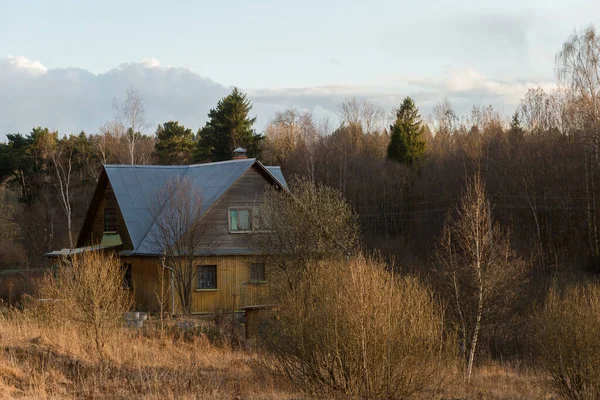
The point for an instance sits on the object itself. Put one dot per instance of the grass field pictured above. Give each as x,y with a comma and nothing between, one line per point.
40,360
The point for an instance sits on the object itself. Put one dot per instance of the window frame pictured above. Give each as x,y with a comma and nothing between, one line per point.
198,275
115,219
264,273
237,210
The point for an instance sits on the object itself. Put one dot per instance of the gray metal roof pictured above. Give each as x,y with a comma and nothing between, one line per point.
136,187
276,171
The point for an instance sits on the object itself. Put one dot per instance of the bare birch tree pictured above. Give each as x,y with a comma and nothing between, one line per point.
367,115
62,160
131,115
107,142
59,154
578,66
445,121
180,235
479,268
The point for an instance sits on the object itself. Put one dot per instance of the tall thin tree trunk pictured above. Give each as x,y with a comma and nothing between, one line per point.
476,330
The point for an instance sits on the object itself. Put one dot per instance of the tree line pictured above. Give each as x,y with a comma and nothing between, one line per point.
399,172
494,219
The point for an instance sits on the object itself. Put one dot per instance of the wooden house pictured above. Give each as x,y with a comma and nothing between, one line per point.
119,218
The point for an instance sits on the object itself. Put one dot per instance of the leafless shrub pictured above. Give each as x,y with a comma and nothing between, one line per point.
88,293
566,337
311,223
353,328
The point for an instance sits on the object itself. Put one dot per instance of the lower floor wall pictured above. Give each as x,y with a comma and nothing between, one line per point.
234,289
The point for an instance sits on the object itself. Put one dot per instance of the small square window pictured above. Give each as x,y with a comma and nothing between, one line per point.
257,272
239,219
110,219
207,277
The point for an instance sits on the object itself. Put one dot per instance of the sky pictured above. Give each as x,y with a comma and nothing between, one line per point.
63,62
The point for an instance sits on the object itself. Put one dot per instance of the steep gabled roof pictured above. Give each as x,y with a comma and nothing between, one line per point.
136,187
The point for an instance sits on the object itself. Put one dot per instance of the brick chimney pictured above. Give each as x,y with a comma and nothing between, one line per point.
239,154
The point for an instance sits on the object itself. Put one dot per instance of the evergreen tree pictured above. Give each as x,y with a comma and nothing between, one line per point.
228,128
406,143
515,123
175,144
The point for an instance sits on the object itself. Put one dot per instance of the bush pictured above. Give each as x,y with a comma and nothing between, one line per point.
354,329
87,292
566,336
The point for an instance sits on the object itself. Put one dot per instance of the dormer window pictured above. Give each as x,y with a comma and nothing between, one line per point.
110,219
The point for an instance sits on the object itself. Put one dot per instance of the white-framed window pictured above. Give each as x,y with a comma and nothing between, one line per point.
257,272
206,277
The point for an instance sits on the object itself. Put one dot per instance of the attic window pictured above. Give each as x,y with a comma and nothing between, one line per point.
110,219
239,220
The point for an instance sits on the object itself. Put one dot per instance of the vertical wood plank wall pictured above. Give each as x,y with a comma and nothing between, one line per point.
233,292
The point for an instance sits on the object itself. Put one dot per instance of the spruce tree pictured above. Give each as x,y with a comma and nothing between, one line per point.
228,128
515,123
175,144
407,145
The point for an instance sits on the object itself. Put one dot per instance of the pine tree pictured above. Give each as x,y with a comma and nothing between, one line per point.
175,144
407,145
228,127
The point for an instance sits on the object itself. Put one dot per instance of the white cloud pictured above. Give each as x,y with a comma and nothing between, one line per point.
150,62
72,99
23,63
469,85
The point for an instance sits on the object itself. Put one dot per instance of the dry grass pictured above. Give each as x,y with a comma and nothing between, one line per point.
43,361
494,381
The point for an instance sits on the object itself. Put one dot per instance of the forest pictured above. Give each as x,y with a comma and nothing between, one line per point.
424,190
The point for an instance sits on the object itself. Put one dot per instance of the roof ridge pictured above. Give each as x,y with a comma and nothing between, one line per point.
177,166
223,162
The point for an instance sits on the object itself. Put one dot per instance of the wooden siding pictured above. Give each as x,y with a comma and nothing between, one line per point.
106,198
144,275
234,289
247,191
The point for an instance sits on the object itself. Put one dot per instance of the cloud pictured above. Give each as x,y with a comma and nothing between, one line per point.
73,99
467,86
19,63
150,62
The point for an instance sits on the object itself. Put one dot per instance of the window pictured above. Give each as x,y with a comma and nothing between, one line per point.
110,219
257,272
239,220
207,277
127,279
